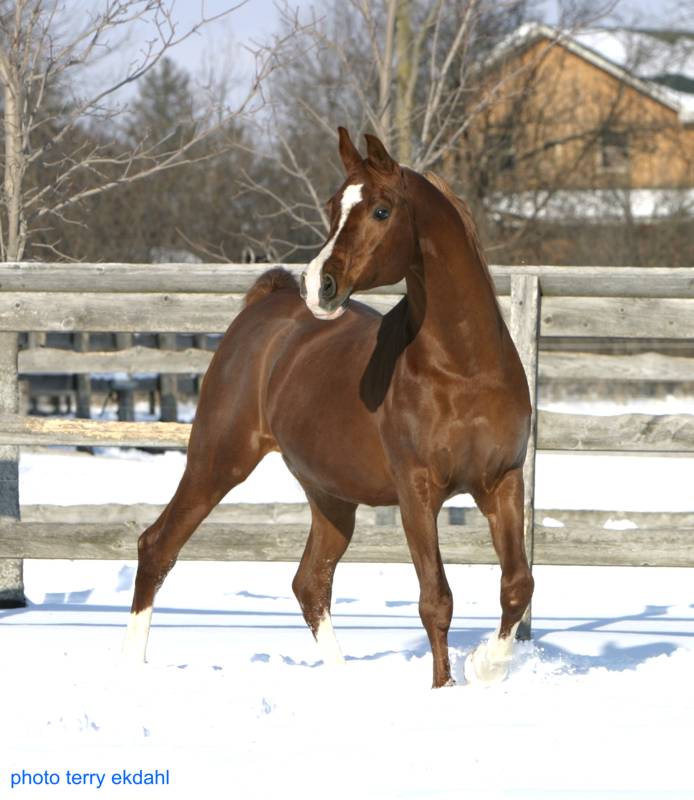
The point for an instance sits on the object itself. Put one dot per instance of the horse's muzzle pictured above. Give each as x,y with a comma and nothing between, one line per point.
331,303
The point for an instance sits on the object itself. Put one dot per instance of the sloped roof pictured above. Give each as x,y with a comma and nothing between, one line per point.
614,52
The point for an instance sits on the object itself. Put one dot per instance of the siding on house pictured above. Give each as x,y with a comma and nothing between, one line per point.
568,121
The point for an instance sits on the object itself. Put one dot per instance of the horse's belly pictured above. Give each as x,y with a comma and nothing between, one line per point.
327,436
355,482
341,461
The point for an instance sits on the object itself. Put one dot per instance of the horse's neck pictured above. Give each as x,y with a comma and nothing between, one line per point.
451,304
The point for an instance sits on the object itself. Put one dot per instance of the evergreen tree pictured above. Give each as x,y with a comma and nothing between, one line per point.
162,116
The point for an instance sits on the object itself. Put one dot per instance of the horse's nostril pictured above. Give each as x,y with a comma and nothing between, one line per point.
328,286
302,285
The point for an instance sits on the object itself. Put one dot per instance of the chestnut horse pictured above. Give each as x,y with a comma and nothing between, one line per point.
408,408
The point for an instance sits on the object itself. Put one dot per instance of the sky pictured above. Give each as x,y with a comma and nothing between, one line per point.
223,46
256,20
649,13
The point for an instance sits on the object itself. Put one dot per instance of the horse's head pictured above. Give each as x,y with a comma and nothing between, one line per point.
371,240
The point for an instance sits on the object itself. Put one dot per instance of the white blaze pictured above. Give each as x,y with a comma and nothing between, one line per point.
327,642
350,197
135,644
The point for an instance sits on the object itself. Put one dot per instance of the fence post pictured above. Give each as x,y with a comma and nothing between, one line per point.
525,330
168,384
11,573
83,383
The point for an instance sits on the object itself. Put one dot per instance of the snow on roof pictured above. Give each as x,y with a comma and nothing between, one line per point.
646,53
599,205
635,57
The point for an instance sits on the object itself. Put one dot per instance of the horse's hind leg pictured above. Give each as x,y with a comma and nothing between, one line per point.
503,508
204,483
332,525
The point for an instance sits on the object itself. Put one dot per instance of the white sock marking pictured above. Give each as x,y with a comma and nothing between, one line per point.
489,663
327,642
135,642
350,197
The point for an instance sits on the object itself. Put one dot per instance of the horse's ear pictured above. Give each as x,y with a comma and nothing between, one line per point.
378,156
351,157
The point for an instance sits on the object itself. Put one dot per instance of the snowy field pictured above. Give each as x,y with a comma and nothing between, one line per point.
235,704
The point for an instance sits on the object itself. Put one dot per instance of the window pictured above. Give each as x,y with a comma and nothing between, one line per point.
502,151
614,151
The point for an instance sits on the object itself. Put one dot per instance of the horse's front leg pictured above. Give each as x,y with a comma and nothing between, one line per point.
503,507
419,511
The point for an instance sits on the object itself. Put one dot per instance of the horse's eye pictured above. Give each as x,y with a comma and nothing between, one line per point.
381,213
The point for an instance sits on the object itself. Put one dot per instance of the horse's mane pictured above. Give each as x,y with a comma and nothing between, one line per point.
468,222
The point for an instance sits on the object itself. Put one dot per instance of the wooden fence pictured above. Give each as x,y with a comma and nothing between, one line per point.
539,302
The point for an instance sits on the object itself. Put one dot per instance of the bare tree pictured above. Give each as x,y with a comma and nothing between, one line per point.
409,70
396,67
45,60
585,167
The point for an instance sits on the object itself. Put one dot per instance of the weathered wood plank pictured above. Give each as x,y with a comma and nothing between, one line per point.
525,326
83,382
640,433
627,317
634,433
134,360
139,278
653,521
283,542
165,312
145,278
574,366
143,514
9,405
158,312
233,278
212,313
649,282
609,548
20,430
168,383
11,570
638,367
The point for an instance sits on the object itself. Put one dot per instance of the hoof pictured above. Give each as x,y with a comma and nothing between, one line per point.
333,660
327,643
483,670
129,664
134,647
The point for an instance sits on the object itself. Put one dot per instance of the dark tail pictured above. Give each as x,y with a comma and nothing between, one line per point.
271,281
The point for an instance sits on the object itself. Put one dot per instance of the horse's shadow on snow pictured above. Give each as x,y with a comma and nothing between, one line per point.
462,639
612,657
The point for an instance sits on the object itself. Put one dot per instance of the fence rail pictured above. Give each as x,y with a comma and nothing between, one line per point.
636,433
277,532
624,317
552,366
552,302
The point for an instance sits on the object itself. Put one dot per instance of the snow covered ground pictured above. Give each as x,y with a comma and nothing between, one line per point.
235,704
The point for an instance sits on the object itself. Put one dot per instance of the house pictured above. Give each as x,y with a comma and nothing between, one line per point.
595,125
